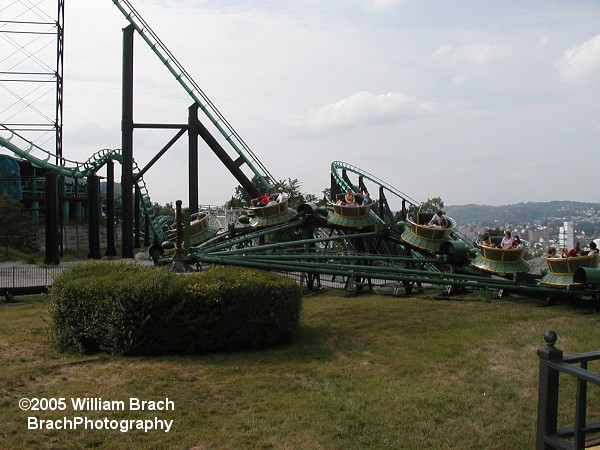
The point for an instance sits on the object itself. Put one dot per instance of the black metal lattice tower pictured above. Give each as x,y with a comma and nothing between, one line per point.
31,70
31,83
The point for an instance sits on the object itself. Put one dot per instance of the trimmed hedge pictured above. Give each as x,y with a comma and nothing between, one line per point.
141,310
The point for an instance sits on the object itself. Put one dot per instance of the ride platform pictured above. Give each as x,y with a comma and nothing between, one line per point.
426,237
501,261
561,270
200,230
348,216
267,216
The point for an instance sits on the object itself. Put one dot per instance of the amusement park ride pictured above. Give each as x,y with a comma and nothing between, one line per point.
360,246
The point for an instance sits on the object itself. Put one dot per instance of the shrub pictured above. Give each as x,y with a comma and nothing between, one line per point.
134,310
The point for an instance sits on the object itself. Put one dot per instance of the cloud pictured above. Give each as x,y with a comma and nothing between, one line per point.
474,54
464,59
366,108
581,61
381,5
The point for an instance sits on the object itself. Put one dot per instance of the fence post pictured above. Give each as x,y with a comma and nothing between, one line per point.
547,417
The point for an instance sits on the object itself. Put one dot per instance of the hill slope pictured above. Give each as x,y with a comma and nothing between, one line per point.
524,212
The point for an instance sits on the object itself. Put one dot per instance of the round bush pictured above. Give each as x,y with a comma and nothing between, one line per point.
139,310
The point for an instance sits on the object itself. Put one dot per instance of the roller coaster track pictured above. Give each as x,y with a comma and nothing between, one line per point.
311,246
339,171
44,159
338,167
200,98
320,255
310,243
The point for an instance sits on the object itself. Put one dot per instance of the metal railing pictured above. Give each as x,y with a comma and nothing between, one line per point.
552,365
27,276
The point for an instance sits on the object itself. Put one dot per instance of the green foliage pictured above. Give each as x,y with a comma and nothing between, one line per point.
291,186
429,205
12,254
166,210
234,203
17,229
432,204
242,197
495,232
133,310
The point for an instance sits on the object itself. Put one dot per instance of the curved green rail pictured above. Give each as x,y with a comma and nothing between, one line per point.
328,255
193,90
338,166
44,159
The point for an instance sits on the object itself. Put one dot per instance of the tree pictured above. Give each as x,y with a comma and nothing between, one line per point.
241,197
495,232
17,229
235,202
291,186
429,205
433,204
166,210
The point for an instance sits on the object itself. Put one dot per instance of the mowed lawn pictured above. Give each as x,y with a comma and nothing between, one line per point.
370,371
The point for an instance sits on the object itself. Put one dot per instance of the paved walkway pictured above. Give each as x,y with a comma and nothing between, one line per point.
15,275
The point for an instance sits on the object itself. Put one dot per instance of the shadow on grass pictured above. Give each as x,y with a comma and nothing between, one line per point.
308,344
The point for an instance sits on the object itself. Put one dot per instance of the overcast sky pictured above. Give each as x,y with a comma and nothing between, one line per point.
487,102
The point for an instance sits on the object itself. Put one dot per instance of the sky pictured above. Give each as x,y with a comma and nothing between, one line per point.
483,102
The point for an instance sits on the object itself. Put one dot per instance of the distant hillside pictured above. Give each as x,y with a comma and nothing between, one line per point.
523,212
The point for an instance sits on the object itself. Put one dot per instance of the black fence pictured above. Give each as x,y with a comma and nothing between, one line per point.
552,365
314,282
20,280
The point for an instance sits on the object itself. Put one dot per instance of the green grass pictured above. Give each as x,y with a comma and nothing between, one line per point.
38,257
365,372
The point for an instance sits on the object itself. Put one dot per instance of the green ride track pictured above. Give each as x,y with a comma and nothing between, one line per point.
44,159
366,251
372,257
243,153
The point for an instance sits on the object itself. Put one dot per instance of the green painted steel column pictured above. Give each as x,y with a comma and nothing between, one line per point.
35,212
193,159
188,231
51,219
137,219
93,185
65,211
110,209
127,143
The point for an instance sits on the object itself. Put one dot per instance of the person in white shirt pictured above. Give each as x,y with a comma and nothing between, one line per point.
282,196
439,220
507,240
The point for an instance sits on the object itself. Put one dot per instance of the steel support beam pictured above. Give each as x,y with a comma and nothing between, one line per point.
127,144
110,209
234,168
193,159
94,210
51,218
